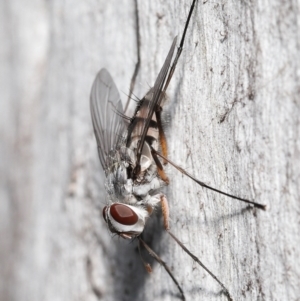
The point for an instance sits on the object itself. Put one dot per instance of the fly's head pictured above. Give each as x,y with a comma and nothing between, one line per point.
125,220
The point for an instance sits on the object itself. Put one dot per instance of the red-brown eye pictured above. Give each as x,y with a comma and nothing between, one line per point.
104,213
123,214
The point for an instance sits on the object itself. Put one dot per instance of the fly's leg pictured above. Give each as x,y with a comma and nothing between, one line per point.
160,86
146,264
160,261
257,205
160,169
165,212
195,258
138,63
173,67
162,136
165,209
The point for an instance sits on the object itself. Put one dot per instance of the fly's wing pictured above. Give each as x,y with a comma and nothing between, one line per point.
106,110
156,98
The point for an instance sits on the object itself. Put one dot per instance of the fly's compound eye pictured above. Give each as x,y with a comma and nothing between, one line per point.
128,221
123,214
104,213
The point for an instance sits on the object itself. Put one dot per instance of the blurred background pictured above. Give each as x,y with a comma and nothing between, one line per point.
233,120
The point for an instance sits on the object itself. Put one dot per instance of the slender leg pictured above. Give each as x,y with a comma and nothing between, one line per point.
180,47
160,169
138,47
226,292
160,261
162,137
161,84
146,264
165,211
257,205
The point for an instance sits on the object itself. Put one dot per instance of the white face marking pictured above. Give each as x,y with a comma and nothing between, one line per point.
138,227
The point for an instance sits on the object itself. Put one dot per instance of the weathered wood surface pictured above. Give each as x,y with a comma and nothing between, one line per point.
234,123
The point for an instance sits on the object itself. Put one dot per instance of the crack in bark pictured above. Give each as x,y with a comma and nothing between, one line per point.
89,269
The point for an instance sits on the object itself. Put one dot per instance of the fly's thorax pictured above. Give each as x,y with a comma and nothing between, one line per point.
143,190
126,220
113,160
118,185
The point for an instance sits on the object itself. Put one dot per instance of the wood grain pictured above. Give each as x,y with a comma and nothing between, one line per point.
232,120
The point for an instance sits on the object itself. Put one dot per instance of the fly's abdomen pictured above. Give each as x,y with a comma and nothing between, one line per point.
138,122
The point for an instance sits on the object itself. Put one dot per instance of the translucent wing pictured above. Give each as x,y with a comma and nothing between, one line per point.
156,96
106,109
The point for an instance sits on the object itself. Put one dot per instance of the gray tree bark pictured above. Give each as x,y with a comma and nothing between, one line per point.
234,122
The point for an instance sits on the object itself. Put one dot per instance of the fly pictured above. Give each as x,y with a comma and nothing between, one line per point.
132,152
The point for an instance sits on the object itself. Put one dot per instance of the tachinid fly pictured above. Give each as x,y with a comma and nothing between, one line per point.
132,152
